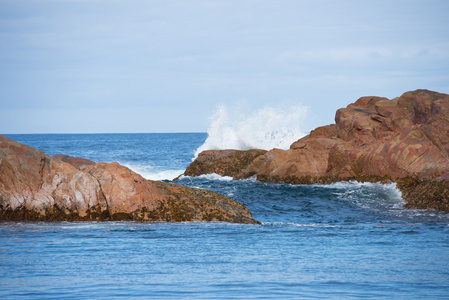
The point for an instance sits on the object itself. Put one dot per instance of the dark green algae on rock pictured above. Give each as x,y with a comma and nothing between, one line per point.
426,193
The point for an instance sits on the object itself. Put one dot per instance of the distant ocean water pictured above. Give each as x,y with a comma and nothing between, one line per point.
338,241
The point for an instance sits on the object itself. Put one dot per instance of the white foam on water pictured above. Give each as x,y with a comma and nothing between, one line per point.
215,176
266,128
152,173
368,195
322,225
212,176
164,175
388,188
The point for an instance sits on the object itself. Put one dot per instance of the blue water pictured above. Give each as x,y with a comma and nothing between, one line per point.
340,241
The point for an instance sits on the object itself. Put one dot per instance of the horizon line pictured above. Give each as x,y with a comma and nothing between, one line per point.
168,132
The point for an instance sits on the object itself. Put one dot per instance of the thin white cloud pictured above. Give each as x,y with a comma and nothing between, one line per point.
366,54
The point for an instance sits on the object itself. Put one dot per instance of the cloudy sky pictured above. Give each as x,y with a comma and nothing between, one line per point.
85,66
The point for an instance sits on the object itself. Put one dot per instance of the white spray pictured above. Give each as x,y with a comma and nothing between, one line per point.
266,128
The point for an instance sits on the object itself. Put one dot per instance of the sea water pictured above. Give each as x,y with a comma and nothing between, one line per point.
339,241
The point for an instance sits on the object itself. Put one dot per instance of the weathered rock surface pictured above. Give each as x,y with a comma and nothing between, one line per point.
35,186
373,139
222,162
422,194
77,162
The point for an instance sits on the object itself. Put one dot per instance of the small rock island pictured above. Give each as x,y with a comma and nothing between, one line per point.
39,187
403,140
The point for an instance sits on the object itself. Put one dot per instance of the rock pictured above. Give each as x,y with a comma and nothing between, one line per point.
77,162
385,107
33,181
305,162
368,148
222,162
373,139
411,143
39,187
424,194
329,131
186,203
361,123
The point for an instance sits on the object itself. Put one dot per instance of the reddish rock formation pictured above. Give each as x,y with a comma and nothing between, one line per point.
77,162
35,186
410,140
373,139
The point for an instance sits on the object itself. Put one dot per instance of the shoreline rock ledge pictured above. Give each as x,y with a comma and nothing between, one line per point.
403,140
39,187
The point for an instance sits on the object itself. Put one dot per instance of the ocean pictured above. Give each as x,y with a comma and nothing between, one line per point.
340,241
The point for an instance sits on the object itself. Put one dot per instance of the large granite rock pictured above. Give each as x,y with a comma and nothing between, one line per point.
35,186
373,139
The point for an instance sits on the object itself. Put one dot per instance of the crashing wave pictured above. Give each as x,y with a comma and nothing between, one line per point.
266,128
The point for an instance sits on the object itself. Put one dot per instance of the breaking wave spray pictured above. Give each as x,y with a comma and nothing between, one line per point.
266,128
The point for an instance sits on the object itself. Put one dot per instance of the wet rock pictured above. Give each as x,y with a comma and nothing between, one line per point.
222,162
424,194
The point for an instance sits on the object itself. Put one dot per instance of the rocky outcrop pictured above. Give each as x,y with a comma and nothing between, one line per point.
422,193
222,162
305,162
373,139
77,162
39,187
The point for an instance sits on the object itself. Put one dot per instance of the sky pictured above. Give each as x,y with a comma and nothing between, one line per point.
109,66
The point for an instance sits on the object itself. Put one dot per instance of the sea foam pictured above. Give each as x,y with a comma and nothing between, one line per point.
152,173
211,176
266,128
353,187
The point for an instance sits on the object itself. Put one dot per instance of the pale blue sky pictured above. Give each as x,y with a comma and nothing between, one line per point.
82,66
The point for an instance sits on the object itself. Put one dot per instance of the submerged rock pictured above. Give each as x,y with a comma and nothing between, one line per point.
373,139
39,187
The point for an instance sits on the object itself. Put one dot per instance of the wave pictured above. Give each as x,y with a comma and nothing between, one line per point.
212,176
152,173
267,128
293,224
353,189
372,196
357,185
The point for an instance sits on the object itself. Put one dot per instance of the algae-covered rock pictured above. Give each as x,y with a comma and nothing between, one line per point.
222,162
